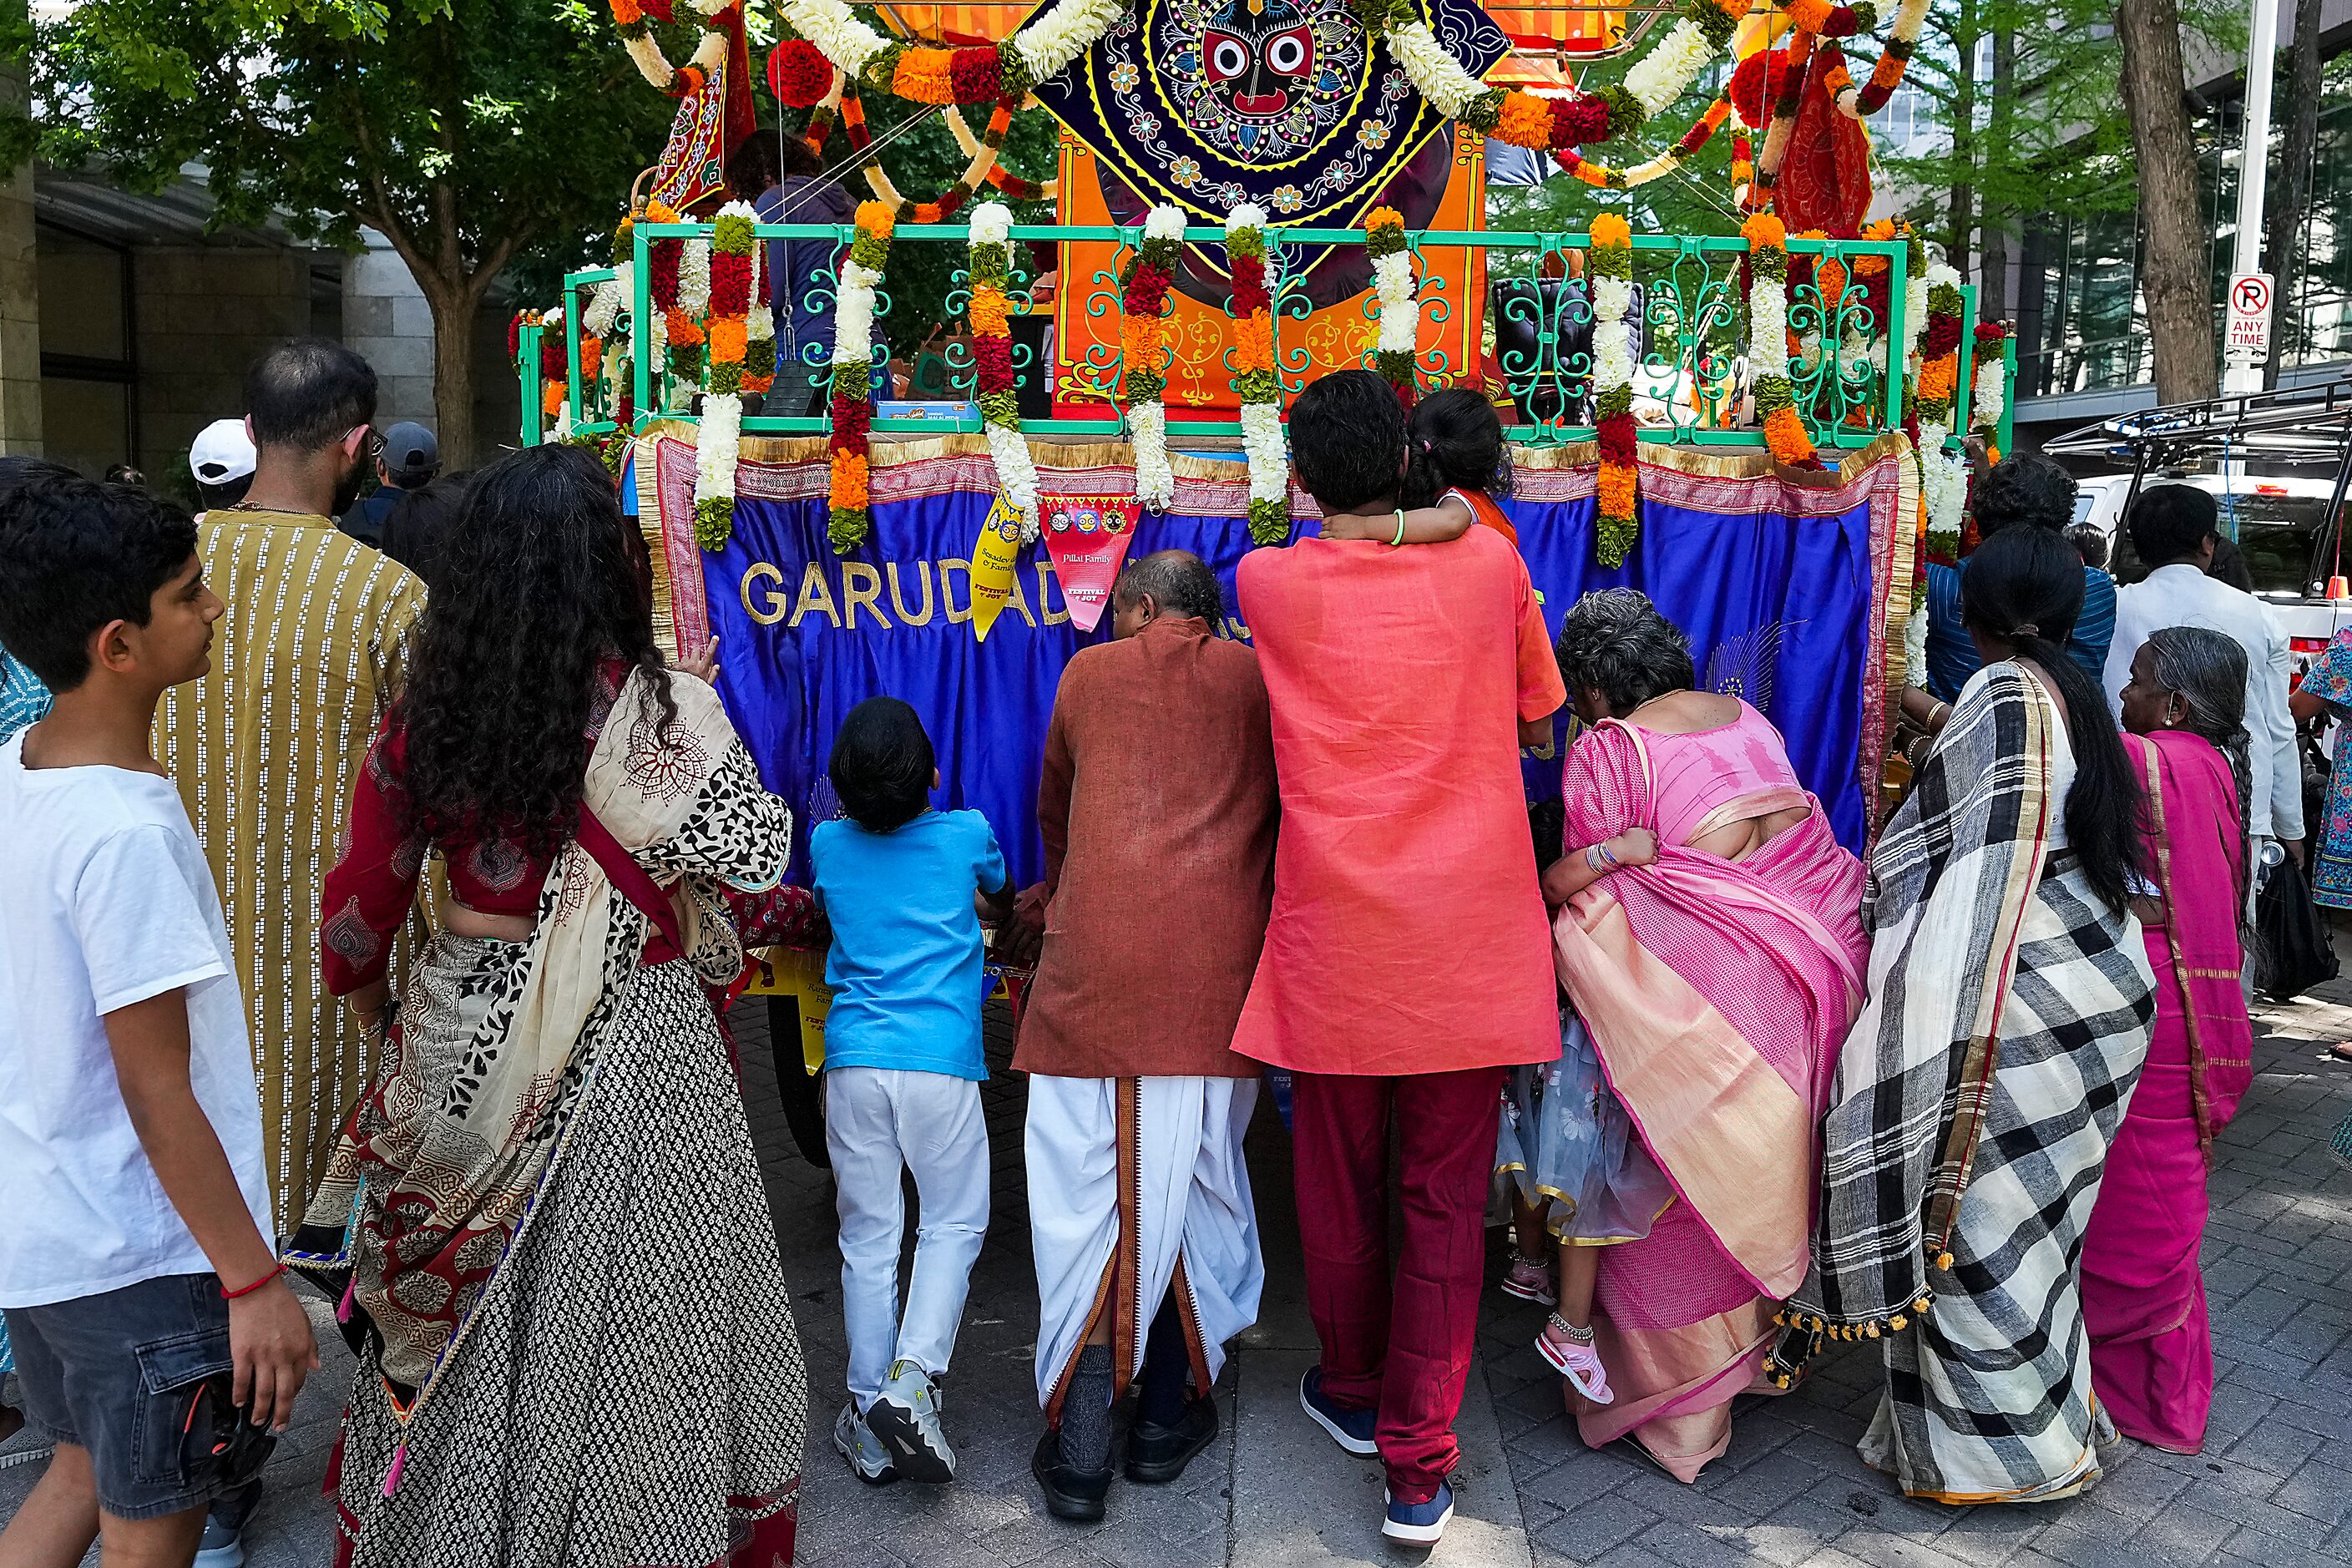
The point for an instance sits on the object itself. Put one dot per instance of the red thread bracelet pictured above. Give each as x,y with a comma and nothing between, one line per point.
229,1295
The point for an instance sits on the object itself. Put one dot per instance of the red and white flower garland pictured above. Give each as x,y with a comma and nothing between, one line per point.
1988,389
989,250
1143,354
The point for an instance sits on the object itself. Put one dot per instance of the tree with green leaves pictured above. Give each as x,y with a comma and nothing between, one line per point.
468,135
2021,99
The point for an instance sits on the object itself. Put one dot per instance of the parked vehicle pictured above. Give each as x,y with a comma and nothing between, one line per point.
2277,465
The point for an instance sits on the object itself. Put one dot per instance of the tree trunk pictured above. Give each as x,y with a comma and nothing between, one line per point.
2283,222
2173,274
1962,210
1992,280
453,308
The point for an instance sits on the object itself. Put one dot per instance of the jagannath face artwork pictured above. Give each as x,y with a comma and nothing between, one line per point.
1262,81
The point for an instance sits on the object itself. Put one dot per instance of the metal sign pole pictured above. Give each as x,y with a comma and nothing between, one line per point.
2243,369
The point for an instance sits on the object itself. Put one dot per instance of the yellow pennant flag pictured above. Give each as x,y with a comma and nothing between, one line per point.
992,565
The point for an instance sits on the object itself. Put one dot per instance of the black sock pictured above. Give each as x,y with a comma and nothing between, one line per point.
1166,1367
1086,1411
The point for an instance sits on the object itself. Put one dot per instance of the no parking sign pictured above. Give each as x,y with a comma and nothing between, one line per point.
2248,336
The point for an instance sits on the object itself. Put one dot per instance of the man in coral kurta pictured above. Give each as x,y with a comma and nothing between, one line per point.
1157,804
1408,960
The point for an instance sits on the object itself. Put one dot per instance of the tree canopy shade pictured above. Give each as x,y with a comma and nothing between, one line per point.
467,134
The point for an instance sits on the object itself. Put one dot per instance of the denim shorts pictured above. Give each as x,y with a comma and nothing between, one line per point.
141,1377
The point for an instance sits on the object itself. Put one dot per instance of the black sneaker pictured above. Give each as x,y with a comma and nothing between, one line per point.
1070,1492
1158,1454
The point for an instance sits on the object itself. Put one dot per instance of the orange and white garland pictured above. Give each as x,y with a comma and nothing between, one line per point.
1768,342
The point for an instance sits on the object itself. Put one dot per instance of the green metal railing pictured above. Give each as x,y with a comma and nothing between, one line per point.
1692,328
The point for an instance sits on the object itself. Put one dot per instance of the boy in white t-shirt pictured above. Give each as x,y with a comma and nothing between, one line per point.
156,1339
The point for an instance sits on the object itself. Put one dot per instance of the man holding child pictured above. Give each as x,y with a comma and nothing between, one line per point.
1408,959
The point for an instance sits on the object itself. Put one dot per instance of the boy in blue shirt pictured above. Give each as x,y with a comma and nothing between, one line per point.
903,886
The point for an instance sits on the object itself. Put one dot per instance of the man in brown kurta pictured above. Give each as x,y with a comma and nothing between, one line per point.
1158,807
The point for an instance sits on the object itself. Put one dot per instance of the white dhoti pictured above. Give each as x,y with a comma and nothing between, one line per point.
1136,1185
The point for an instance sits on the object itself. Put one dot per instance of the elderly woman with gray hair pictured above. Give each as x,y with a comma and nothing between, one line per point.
1708,935
2143,1292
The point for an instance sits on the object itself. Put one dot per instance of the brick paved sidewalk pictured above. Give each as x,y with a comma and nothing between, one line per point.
2272,1487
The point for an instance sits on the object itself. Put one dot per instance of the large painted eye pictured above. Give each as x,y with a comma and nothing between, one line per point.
1226,56
1291,53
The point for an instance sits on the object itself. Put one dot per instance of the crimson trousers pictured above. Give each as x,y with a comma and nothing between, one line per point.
1400,1344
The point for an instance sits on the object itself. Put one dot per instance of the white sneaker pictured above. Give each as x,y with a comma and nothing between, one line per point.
867,1456
906,1421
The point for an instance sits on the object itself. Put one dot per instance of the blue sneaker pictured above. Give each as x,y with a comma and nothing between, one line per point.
1351,1429
1419,1523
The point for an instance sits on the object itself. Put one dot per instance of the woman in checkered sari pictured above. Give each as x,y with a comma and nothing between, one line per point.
2010,1004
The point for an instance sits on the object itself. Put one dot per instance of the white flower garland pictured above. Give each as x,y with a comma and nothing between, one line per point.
1433,67
716,445
1268,458
1263,447
1768,331
1986,395
1666,73
1612,338
1654,82
1944,483
1147,421
651,64
853,332
694,277
610,300
1155,479
1045,45
1914,321
1400,311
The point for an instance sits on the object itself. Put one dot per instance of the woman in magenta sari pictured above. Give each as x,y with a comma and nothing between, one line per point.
1709,936
2142,1293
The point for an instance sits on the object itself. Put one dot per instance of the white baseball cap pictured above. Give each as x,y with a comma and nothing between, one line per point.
222,453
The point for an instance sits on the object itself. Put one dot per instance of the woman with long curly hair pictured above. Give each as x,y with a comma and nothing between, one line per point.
519,1213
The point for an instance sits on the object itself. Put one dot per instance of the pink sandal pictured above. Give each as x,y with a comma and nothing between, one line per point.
1529,1280
1577,1361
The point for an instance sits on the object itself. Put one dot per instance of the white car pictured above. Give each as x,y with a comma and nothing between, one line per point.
2280,524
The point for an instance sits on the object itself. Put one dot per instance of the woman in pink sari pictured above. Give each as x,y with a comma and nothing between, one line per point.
1709,936
2142,1293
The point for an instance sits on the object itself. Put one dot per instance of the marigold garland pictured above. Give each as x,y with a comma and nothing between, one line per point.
1143,356
1605,177
1260,393
1939,346
1615,525
1768,342
851,403
734,277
